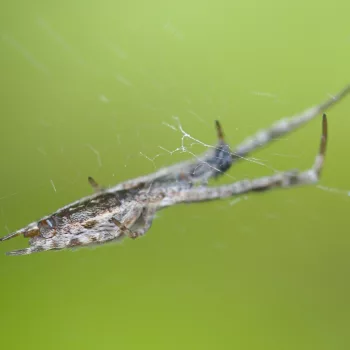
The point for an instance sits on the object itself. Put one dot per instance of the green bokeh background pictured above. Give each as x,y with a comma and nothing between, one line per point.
271,271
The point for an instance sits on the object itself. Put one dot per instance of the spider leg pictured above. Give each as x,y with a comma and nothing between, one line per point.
219,158
123,228
31,230
10,235
283,180
60,242
144,223
284,126
129,220
24,251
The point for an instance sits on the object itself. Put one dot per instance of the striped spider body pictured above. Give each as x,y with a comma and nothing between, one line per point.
129,208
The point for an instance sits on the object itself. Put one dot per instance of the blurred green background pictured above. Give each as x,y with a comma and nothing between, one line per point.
88,88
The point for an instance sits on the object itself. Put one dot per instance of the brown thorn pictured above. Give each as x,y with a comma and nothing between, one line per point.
219,130
324,137
94,184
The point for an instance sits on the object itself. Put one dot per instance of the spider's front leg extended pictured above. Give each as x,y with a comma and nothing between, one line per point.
284,126
283,180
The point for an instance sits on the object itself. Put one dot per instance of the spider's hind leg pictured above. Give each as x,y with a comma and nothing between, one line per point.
295,178
286,179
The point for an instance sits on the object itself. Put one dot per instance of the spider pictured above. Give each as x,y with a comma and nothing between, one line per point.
129,208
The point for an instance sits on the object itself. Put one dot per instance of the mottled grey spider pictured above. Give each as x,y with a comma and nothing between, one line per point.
128,208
